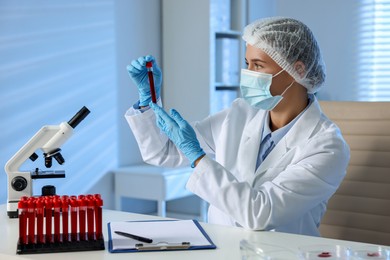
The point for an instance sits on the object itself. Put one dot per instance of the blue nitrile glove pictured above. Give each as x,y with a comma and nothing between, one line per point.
179,131
139,74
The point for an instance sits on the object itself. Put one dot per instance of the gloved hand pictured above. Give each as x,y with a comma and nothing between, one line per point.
139,74
179,131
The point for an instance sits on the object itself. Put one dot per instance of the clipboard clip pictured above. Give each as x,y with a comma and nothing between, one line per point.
162,246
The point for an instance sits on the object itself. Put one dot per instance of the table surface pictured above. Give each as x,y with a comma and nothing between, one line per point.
227,240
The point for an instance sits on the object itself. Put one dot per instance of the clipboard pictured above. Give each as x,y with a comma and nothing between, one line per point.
167,235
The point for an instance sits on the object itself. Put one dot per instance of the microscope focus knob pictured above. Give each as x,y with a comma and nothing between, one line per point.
19,183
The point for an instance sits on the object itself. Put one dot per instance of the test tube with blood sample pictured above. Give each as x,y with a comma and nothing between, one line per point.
90,217
40,205
48,219
65,218
73,217
31,220
22,207
149,67
57,219
98,216
82,216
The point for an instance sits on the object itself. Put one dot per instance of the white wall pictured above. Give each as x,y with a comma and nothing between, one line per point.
335,24
186,72
138,33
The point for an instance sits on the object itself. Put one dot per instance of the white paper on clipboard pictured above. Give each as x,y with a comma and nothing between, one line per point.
170,232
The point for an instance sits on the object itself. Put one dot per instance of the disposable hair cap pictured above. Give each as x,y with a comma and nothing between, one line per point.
287,41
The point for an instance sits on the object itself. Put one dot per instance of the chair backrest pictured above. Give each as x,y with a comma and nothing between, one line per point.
360,208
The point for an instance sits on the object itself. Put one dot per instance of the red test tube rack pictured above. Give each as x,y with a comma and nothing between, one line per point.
52,224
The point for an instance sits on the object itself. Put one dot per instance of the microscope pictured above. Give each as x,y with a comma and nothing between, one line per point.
49,139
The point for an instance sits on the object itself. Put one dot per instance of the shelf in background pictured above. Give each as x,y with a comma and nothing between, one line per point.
228,34
226,86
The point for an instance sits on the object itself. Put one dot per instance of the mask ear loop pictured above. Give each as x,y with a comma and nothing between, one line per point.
277,73
289,86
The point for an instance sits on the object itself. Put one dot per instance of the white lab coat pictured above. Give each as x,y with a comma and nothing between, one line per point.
290,189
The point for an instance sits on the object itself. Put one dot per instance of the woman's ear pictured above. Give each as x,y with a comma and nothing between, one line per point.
300,68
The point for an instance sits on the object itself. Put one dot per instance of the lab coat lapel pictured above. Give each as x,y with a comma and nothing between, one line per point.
300,132
250,144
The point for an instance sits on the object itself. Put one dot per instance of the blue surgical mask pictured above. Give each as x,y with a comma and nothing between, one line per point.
255,89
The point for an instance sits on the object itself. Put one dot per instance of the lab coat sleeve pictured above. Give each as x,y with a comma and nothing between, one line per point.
308,181
157,149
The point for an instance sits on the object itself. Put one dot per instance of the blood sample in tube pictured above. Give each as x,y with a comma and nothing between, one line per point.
82,216
57,219
48,220
39,212
22,207
31,220
73,218
98,216
65,218
90,217
149,67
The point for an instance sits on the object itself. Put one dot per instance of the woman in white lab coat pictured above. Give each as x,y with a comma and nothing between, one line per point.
273,159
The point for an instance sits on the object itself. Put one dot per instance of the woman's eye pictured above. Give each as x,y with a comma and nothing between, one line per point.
258,66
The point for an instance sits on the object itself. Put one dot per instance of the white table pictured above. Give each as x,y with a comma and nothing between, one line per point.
226,239
153,183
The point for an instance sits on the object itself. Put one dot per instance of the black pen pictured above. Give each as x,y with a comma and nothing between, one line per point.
142,239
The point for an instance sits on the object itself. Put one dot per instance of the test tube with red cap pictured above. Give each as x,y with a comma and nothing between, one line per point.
82,216
22,208
98,216
149,67
31,220
48,219
90,217
57,219
39,208
65,218
73,217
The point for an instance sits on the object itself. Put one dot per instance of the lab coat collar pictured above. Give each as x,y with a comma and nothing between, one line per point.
300,132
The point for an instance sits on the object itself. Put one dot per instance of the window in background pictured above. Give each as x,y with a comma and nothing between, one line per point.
57,56
374,57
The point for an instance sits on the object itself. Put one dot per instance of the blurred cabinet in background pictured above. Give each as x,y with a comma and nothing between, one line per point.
202,55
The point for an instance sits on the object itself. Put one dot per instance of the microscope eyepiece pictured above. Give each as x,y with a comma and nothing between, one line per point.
78,117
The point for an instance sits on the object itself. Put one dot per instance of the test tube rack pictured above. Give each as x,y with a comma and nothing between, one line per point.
53,224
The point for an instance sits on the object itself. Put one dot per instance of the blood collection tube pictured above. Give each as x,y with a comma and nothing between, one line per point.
22,207
149,67
73,217
48,219
65,218
90,217
39,212
57,219
31,220
98,216
82,215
